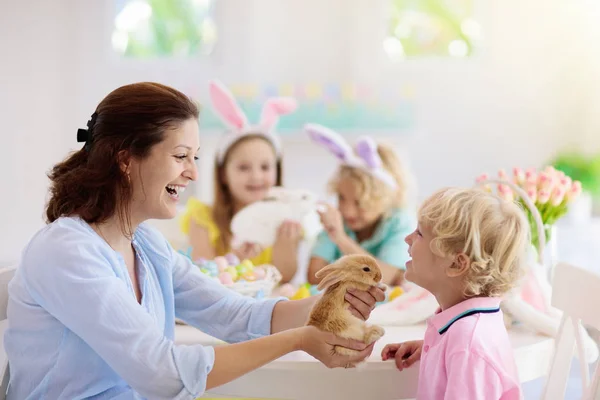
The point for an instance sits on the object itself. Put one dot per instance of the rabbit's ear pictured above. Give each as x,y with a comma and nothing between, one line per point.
274,108
366,148
331,140
330,280
226,106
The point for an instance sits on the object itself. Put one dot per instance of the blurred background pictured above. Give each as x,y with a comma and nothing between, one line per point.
460,87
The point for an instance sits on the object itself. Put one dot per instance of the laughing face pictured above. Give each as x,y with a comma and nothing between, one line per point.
250,170
425,268
159,179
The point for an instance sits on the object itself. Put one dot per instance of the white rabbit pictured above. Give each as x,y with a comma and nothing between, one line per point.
258,222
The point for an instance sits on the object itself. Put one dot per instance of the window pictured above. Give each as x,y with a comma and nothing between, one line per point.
431,28
163,28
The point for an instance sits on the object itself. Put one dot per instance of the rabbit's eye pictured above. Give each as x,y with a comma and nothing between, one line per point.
367,269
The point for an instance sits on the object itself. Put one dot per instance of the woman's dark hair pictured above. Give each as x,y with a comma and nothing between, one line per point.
130,120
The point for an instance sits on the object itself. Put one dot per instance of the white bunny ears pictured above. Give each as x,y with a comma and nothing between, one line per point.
227,108
363,156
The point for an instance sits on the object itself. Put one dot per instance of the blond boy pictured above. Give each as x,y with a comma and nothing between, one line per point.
468,251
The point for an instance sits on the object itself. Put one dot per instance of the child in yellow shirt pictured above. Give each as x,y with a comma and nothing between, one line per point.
247,165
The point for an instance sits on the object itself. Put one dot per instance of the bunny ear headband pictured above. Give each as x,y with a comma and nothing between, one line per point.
364,155
227,108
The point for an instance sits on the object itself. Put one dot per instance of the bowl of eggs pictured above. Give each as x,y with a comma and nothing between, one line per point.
241,276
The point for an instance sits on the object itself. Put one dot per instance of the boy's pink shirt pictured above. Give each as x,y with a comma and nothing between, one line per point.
471,358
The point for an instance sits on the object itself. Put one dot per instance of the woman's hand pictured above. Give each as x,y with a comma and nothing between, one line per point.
332,222
247,251
363,302
320,345
405,354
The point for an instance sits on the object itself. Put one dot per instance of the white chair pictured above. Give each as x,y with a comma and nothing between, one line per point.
576,292
6,274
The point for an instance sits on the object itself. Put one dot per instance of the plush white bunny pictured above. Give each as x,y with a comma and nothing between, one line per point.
259,221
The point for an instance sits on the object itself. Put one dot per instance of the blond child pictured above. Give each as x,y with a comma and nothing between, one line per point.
468,250
247,164
370,218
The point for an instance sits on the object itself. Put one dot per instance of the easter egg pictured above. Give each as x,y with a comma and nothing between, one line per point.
396,292
249,276
313,290
286,290
260,273
221,263
232,259
233,272
200,261
248,264
242,269
226,279
302,293
211,266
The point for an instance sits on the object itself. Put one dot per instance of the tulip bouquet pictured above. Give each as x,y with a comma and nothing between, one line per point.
550,190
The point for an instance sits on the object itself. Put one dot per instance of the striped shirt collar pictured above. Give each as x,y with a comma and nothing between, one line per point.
443,320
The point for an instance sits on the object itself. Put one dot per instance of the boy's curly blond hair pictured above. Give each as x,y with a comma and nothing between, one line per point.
492,232
371,192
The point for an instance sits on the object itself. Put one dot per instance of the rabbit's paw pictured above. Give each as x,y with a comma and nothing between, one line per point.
374,333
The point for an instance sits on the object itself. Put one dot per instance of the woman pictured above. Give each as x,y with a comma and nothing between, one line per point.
92,306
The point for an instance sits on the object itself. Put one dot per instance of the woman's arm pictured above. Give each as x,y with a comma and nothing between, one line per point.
235,360
73,279
200,242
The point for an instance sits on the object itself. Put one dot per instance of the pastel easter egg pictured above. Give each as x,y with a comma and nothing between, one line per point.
248,264
225,278
260,273
232,259
313,290
302,293
241,269
233,272
200,261
221,263
286,290
249,276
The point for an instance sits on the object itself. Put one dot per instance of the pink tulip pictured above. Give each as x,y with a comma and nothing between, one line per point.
481,178
566,183
574,191
543,196
558,195
532,194
502,174
531,176
505,192
519,175
550,170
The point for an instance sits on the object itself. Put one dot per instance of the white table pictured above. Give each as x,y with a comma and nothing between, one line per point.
300,376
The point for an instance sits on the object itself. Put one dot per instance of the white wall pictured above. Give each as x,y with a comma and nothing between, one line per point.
533,89
35,100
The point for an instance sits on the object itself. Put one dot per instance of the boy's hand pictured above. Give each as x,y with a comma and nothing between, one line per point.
405,354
